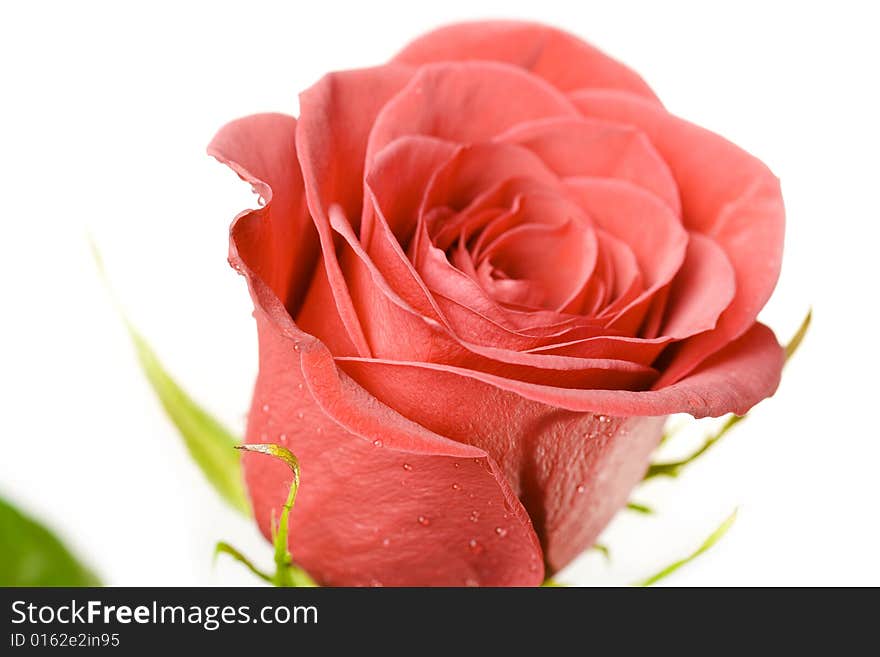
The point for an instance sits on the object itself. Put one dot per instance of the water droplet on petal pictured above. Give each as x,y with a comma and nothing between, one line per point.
456,487
475,516
475,547
265,408
300,415
407,467
581,488
501,532
377,443
423,521
296,346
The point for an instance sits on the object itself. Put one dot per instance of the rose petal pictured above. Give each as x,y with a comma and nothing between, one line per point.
552,247
731,381
461,182
645,224
578,147
703,287
484,175
727,195
439,96
398,331
572,471
336,116
558,57
383,501
279,242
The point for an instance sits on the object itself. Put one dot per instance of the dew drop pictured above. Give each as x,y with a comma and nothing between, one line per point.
407,467
475,547
456,487
299,386
300,415
475,516
265,408
581,488
296,346
282,437
501,532
423,521
261,201
377,443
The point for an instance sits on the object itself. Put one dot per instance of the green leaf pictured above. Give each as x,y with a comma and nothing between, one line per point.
208,442
714,537
286,572
31,555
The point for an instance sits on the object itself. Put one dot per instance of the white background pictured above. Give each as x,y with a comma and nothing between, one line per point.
106,111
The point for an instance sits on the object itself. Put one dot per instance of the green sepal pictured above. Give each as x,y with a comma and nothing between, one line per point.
636,507
287,574
223,547
713,538
674,468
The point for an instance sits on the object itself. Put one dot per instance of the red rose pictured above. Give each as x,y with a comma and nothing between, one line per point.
484,274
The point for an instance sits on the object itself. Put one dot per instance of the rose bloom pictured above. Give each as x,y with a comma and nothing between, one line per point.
484,274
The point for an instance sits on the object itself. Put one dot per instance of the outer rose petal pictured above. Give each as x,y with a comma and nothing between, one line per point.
572,470
383,500
727,195
560,58
281,245
731,381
